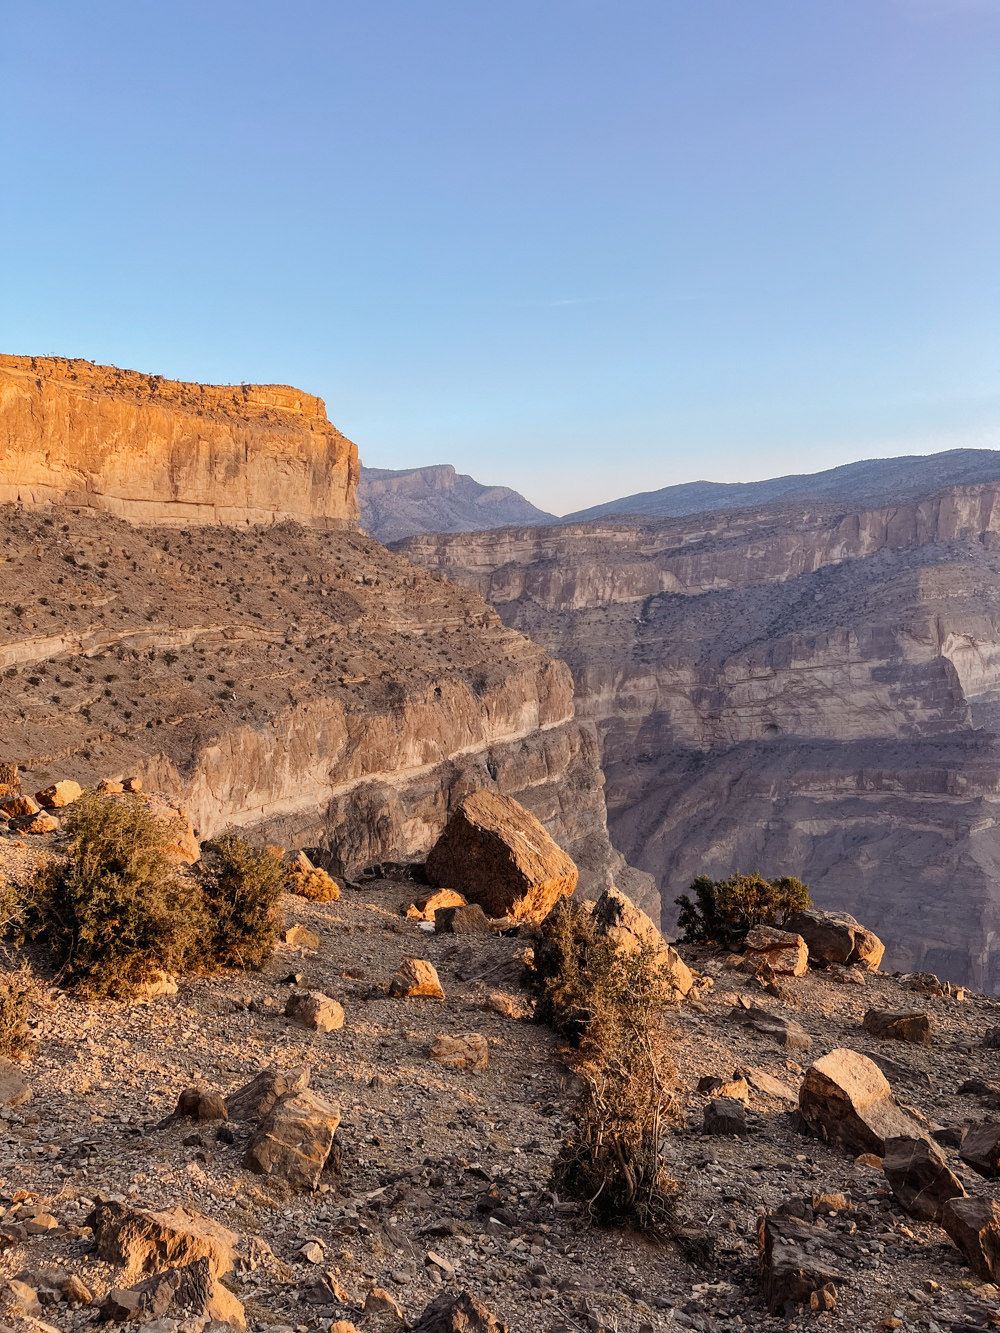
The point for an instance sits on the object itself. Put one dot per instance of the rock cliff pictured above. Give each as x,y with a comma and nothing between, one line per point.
152,450
397,504
798,688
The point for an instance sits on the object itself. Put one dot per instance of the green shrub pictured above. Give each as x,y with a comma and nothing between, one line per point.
613,1006
115,911
241,886
725,910
15,997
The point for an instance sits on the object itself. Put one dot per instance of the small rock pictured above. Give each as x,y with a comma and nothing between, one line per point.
467,920
59,794
980,1149
835,937
201,1105
767,1083
785,1031
189,1291
13,1089
312,1252
424,907
24,1298
225,1135
457,1314
294,1139
734,1089
899,1025
785,953
73,1289
825,1204
823,1298
315,1011
302,937
919,1177
254,1099
40,1224
793,1263
725,1117
18,807
378,1301
108,787
416,977
132,784
498,1003
41,823
974,1226
464,1050
148,1242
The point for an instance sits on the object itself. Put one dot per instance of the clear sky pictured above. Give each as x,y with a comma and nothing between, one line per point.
578,247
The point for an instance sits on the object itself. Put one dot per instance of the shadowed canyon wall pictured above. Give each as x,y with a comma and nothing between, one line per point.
793,688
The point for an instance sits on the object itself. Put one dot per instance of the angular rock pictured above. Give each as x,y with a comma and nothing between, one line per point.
980,1149
16,807
457,1314
315,1011
14,1091
40,823
294,1139
767,1083
186,1292
499,855
792,1263
826,1205
974,1226
416,977
148,1242
302,937
919,1177
846,1100
74,1290
379,1302
24,1298
424,907
467,920
725,1116
201,1105
909,1025
463,1050
835,937
783,951
10,782
108,787
59,794
785,1031
254,1099
734,1089
628,928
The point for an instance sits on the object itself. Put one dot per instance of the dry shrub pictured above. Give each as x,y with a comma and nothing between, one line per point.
15,997
726,910
316,885
242,886
613,1006
114,911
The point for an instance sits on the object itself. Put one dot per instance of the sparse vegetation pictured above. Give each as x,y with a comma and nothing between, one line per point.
725,910
15,997
241,886
316,885
612,1005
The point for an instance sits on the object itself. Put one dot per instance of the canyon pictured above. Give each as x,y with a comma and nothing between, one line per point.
399,503
184,597
805,688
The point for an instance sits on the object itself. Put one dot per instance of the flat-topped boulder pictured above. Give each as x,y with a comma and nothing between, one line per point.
835,937
847,1101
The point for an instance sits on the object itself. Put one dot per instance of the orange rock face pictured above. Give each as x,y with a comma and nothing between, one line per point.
158,451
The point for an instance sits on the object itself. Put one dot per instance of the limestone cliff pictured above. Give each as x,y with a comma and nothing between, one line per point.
798,688
306,685
152,450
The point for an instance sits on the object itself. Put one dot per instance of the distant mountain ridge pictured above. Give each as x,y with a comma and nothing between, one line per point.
414,501
869,479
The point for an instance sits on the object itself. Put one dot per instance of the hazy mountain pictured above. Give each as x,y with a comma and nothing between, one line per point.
437,499
871,479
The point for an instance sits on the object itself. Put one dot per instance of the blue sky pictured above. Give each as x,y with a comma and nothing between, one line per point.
580,248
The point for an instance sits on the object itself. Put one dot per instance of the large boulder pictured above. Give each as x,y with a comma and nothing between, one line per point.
974,1226
59,794
910,1025
498,855
919,1177
254,1099
188,1292
146,1242
449,1313
630,929
835,937
783,951
980,1148
847,1101
793,1262
294,1139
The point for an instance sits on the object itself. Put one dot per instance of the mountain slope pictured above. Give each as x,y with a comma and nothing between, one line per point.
437,499
869,480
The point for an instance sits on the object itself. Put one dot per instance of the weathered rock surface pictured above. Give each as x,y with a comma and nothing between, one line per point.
148,1242
910,1025
784,952
469,919
835,937
59,794
155,451
498,855
724,1115
793,1261
919,1177
398,503
630,929
974,1226
798,686
191,1291
294,1139
315,1011
423,907
461,1050
846,1099
980,1148
448,1313
254,1099
785,1031
416,977
201,1104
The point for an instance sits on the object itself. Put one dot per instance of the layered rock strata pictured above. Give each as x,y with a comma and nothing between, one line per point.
307,686
793,688
153,450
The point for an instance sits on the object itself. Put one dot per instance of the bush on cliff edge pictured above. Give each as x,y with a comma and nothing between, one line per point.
726,910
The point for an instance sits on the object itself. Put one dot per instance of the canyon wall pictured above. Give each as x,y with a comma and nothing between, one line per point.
793,688
399,503
153,450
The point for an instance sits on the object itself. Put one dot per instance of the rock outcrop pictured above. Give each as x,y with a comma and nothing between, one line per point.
153,450
397,504
801,688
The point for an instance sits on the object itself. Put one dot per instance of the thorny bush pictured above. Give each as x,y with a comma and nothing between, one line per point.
726,910
242,886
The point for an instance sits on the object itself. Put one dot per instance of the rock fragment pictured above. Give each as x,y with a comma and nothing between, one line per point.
59,794
980,1148
785,1031
910,1025
294,1139
147,1242
793,1264
16,807
254,1099
725,1116
974,1226
416,977
463,1050
628,928
846,1099
315,1011
201,1105
379,1302
457,1314
14,1091
467,920
302,937
783,951
835,937
498,855
40,823
189,1292
24,1299
919,1177
423,907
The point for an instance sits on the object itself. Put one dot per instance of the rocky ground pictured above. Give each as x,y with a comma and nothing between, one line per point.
423,1144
